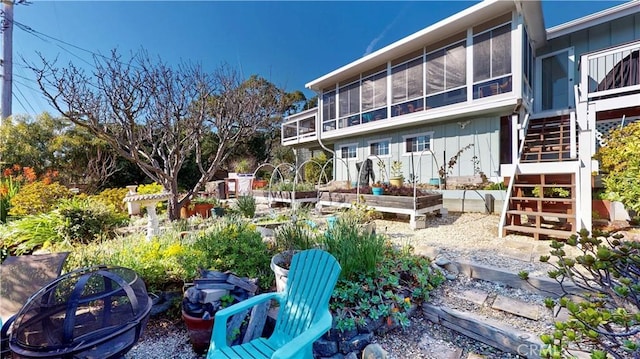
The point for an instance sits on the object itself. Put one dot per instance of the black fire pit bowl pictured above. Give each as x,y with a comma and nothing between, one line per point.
98,312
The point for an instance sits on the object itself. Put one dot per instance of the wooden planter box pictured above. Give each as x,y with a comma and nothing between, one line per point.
287,196
400,202
391,204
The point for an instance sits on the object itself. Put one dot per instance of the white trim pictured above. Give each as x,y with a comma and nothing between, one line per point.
404,152
595,19
570,73
369,143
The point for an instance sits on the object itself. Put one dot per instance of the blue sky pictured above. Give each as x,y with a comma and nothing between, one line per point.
289,43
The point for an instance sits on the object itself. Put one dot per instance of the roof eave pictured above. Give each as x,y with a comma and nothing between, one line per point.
591,20
437,31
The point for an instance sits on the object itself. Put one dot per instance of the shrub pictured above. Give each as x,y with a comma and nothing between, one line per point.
246,206
158,261
38,197
25,235
85,220
113,197
313,170
620,162
230,244
605,313
357,251
295,235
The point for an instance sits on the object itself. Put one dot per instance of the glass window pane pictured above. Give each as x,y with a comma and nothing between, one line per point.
367,94
328,106
456,66
501,51
435,72
482,56
398,83
414,79
380,90
555,81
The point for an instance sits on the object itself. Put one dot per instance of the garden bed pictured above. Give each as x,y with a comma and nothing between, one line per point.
414,206
286,196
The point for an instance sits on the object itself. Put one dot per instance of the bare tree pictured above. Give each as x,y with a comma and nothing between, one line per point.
157,116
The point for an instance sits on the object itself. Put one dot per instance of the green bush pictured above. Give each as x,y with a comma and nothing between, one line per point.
246,206
230,244
313,171
85,220
158,261
25,235
113,197
357,251
296,235
38,197
620,163
605,313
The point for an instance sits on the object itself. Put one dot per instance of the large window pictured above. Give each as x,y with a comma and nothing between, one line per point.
406,80
492,62
349,109
374,97
447,75
379,148
418,143
329,111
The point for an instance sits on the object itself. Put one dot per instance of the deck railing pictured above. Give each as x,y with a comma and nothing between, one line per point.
611,72
300,127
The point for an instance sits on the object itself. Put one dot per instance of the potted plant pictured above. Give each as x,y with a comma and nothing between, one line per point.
203,205
290,238
397,178
377,189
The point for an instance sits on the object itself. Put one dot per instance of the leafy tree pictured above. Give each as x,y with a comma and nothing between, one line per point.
157,116
620,162
53,144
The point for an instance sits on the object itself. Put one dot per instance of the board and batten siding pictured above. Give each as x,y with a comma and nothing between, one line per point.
448,138
609,34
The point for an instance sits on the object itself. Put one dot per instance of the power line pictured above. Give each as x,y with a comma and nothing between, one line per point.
27,101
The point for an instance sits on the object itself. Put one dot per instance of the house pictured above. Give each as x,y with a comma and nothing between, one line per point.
533,102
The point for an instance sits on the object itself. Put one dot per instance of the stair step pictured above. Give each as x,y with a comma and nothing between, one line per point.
544,231
541,214
545,199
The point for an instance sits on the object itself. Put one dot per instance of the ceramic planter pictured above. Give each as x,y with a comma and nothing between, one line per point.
199,332
377,191
396,181
279,270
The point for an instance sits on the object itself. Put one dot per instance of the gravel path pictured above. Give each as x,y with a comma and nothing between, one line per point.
470,237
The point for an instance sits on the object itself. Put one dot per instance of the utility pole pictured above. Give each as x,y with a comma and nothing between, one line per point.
7,59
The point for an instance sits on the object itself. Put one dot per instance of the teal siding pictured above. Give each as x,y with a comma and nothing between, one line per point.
618,32
448,138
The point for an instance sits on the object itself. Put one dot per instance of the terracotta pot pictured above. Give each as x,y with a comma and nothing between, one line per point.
258,184
203,209
199,332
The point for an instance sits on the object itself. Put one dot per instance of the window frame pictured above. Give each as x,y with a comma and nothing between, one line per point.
348,146
378,141
327,121
407,98
491,75
428,134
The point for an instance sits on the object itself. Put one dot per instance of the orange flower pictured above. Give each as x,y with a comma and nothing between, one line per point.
46,180
17,168
29,174
4,190
7,172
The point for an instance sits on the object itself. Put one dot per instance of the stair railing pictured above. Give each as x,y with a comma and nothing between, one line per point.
512,179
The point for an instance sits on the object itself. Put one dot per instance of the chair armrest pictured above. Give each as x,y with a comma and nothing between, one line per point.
309,336
219,336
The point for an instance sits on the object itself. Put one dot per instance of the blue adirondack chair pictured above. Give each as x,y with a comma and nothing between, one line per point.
303,317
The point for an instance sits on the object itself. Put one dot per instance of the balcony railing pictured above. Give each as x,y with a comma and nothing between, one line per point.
612,71
300,127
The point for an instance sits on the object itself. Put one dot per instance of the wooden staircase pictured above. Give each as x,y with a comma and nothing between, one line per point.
542,202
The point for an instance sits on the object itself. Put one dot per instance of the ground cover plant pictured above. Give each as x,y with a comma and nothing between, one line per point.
378,282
